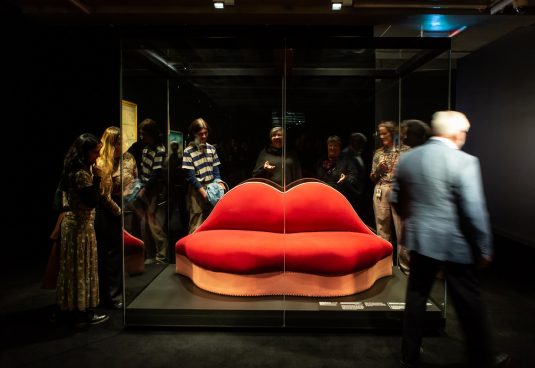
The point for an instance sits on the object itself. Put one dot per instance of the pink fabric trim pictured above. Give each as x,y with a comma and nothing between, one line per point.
283,283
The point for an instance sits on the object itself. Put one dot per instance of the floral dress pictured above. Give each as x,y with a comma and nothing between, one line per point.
77,287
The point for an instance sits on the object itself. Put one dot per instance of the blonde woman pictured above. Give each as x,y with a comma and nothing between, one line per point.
108,226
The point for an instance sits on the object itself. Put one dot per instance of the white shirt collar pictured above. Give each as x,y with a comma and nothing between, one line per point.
447,141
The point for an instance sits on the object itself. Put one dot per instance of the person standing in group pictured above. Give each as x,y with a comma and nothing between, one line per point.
384,163
413,133
153,194
108,226
358,188
269,164
177,193
439,195
201,165
334,168
77,290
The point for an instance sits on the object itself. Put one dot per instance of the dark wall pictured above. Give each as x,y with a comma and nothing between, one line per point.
496,90
423,93
59,82
150,96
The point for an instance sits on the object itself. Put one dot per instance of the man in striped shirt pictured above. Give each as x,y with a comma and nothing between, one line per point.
153,193
201,166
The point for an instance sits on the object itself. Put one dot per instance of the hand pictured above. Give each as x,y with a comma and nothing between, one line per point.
96,170
203,193
141,193
382,167
268,166
484,262
342,178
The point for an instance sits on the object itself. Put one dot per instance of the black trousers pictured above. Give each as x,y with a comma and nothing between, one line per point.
108,230
463,287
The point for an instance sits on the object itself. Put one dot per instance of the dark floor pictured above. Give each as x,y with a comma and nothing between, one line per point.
30,339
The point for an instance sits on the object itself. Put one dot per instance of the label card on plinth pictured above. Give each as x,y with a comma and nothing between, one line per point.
375,305
352,305
396,305
328,304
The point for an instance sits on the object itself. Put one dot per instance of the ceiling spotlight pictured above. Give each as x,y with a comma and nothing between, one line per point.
219,4
335,6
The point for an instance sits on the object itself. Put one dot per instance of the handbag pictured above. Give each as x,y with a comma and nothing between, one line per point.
50,277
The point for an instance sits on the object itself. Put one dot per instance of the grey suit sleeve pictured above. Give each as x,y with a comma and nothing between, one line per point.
473,209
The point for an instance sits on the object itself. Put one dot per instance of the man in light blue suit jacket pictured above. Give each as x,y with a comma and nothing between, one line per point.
438,193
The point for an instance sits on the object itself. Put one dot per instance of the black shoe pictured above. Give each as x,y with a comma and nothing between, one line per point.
500,360
97,319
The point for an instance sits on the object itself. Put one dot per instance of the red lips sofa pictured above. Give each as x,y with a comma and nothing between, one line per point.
306,241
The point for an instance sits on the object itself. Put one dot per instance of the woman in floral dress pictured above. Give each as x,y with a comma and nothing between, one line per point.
77,288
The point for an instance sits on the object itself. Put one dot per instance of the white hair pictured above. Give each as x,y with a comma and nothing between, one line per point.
448,123
275,129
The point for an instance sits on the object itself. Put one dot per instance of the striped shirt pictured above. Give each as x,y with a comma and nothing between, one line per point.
151,159
202,162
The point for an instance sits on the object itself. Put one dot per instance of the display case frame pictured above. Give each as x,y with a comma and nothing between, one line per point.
160,297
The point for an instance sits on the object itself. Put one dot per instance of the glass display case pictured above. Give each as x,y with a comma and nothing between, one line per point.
289,123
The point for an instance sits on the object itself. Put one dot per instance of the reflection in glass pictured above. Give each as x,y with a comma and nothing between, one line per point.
385,158
151,199
270,161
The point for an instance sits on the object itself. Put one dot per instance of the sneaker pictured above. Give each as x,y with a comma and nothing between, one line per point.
149,261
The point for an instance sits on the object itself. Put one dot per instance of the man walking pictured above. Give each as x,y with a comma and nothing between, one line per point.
438,193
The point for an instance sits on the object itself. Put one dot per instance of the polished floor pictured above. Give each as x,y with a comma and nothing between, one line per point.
30,339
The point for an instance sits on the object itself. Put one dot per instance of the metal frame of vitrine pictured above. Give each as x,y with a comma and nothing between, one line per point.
230,38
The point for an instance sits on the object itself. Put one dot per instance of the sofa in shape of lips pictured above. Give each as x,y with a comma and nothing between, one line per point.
306,241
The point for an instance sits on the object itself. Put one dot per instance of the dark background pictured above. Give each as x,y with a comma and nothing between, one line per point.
60,82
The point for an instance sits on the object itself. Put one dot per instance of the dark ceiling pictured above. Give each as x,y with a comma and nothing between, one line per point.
368,41
259,12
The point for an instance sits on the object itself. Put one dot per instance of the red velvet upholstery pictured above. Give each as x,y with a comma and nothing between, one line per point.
315,207
250,206
309,229
134,254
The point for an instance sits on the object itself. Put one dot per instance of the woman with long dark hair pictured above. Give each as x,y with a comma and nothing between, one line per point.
77,287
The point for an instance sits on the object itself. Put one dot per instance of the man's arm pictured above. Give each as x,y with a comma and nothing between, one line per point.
473,209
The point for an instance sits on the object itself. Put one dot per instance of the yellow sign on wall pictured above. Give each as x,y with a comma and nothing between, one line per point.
128,124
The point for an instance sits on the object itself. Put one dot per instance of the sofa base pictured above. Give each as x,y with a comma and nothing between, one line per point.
283,283
134,264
